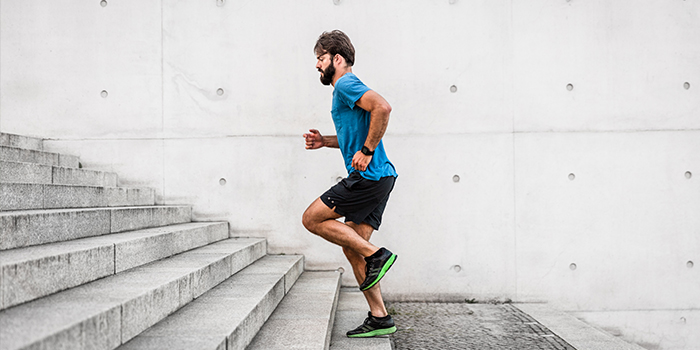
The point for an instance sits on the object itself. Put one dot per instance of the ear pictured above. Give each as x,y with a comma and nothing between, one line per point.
339,60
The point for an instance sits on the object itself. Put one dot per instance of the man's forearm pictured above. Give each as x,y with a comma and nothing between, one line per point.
377,126
330,141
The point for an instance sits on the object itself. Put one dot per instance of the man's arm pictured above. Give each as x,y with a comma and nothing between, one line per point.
315,140
379,119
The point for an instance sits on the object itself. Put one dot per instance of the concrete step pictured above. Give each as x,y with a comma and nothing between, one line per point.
577,333
304,319
228,316
17,141
33,272
17,172
33,227
108,312
21,155
352,311
14,196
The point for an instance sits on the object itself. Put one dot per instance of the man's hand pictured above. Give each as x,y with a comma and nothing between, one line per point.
360,161
314,139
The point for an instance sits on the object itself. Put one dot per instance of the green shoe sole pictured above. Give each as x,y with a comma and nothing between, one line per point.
374,333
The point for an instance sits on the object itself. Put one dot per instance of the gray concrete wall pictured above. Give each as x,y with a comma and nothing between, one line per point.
572,126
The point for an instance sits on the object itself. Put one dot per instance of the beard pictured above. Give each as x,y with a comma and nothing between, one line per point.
327,76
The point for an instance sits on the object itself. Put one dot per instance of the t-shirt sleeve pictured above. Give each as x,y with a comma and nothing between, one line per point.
350,90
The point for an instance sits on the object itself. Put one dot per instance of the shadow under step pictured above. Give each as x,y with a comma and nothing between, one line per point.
228,316
22,196
108,312
17,172
34,227
33,272
304,319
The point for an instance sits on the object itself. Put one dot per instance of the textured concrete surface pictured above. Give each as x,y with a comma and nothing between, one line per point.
25,173
121,306
83,177
230,313
351,312
469,326
32,227
31,272
19,141
20,155
304,319
20,196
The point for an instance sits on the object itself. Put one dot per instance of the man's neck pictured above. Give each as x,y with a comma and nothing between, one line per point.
339,74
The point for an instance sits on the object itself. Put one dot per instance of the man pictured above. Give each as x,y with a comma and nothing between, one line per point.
360,116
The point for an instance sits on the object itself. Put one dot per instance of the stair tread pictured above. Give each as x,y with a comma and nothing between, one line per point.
352,311
227,313
25,142
17,154
61,315
305,317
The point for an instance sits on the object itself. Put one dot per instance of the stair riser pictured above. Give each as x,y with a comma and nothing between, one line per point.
10,154
11,172
27,229
35,196
28,280
17,141
138,304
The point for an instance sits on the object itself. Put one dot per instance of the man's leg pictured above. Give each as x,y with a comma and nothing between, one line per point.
374,294
321,220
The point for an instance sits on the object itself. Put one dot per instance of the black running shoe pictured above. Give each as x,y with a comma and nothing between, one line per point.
373,326
377,266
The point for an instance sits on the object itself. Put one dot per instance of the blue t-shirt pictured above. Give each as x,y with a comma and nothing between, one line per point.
352,126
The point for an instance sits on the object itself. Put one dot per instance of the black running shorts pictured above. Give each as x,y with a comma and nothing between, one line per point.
360,200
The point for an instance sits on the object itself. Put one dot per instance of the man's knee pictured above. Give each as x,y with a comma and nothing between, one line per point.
308,221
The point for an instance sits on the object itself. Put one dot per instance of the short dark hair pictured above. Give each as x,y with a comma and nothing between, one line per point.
335,43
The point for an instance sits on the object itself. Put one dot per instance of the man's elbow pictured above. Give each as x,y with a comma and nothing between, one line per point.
385,109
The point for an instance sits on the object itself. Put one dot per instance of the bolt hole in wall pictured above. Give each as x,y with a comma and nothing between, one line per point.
686,85
456,268
103,3
220,3
688,174
220,91
104,94
222,181
572,176
453,88
573,266
455,178
690,264
569,87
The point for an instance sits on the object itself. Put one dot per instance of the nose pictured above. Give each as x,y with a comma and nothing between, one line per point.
318,64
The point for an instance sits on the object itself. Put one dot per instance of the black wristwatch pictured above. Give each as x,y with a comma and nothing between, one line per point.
366,151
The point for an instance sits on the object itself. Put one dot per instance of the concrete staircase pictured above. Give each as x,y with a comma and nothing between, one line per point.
86,264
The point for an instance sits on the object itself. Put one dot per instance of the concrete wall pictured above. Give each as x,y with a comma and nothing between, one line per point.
573,126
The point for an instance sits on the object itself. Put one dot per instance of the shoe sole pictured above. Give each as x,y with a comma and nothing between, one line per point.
385,268
374,333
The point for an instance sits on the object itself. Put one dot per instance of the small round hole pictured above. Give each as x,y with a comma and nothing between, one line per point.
688,174
104,94
220,91
453,88
220,3
456,268
686,85
572,177
337,2
572,266
455,178
338,179
103,3
689,264
452,2
222,181
569,87
341,270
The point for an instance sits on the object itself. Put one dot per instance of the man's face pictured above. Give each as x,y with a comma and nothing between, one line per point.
324,65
